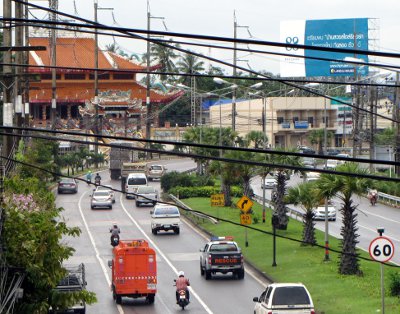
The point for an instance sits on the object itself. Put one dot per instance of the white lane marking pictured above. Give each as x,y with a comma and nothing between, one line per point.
262,283
208,310
103,267
384,218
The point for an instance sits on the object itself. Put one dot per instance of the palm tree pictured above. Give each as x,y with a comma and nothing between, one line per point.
165,56
318,136
282,174
258,138
344,187
305,195
112,47
190,64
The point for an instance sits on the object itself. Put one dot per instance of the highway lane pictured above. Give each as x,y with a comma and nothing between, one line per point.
174,252
369,218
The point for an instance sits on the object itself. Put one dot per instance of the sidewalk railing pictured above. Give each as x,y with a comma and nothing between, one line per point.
389,199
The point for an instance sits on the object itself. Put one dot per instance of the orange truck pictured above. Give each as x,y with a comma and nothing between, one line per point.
134,271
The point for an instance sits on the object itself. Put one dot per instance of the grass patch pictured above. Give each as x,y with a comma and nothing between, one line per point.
332,293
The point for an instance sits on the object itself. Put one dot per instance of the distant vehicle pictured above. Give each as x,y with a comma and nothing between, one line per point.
332,152
165,217
221,255
343,155
146,195
309,162
74,281
319,212
306,150
155,172
133,182
134,271
285,298
101,199
331,164
121,152
312,176
107,187
67,185
268,183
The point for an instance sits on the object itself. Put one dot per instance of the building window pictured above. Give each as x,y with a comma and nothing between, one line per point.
311,121
279,120
74,76
123,76
295,119
48,76
101,76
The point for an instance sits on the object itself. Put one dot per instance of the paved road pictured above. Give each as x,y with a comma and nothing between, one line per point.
174,252
369,219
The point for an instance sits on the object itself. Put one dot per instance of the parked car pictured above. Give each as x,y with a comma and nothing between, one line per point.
306,150
319,212
101,199
107,188
331,164
67,185
312,176
165,217
343,155
309,162
146,195
268,183
287,298
332,152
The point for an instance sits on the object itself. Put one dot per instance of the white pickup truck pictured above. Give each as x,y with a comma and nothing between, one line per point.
165,217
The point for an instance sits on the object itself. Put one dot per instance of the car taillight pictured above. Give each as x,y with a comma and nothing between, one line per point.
312,312
241,259
209,259
126,187
269,312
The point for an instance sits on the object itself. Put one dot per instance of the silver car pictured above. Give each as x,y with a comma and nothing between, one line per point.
146,195
101,199
107,188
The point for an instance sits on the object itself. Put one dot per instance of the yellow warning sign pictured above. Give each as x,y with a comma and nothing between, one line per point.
217,200
244,204
245,219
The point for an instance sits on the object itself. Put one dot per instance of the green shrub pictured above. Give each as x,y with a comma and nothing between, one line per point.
175,179
394,285
202,191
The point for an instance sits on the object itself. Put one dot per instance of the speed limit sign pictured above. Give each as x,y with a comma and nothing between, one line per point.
381,249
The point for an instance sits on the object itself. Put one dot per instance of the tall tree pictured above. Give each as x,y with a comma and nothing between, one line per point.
317,137
257,138
165,56
190,64
344,187
305,195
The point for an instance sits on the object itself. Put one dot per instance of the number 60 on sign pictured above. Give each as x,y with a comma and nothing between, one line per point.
381,249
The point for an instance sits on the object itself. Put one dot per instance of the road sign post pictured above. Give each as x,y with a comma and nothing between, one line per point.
245,205
381,249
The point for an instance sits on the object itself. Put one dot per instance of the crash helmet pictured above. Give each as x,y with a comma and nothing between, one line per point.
181,274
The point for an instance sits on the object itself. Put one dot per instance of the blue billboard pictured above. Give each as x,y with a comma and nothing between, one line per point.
349,34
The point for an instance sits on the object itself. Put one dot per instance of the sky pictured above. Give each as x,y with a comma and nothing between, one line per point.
216,18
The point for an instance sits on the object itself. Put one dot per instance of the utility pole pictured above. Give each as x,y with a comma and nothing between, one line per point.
25,97
372,126
234,71
396,113
148,104
19,39
7,72
96,81
53,49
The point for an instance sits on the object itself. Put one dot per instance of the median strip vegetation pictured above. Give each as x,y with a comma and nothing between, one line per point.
331,291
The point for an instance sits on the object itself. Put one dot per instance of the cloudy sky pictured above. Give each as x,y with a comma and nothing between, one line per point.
215,17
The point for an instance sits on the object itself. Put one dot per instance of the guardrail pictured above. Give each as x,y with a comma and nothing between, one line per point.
389,199
297,214
189,211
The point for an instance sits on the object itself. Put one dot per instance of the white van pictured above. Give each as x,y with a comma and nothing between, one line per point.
133,181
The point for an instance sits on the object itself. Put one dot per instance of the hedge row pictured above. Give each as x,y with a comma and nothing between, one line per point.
203,191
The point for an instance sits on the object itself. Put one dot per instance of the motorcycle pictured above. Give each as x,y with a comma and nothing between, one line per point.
97,181
373,199
115,240
182,298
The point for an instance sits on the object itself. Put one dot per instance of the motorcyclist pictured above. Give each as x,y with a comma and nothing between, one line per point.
115,231
89,177
373,196
97,179
181,284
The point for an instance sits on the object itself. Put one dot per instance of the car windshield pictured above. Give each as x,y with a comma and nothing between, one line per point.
223,247
145,189
156,168
166,211
137,181
104,188
290,296
101,194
